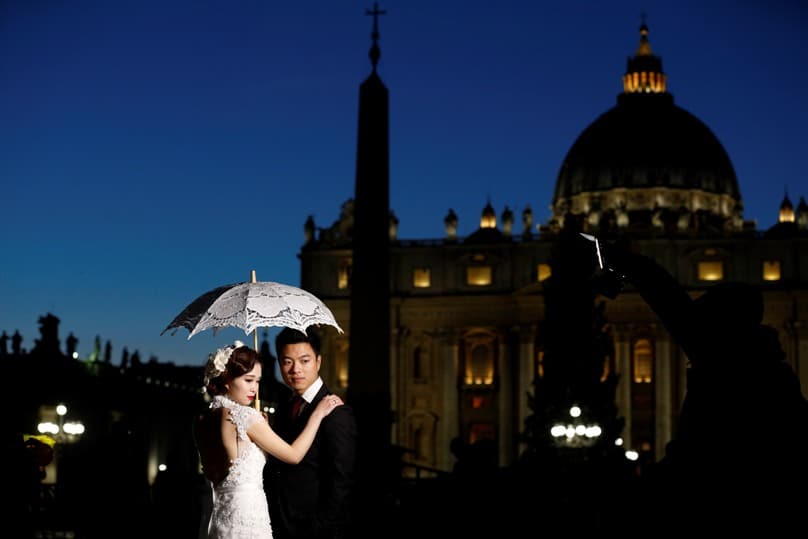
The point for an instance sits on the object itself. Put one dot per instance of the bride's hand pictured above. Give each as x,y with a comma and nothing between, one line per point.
327,405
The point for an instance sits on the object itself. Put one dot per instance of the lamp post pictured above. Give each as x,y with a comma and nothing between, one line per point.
61,411
574,432
64,431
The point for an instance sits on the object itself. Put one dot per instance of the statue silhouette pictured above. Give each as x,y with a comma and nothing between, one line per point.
16,343
71,343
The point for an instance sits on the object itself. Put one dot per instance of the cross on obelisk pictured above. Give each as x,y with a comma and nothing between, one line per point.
376,12
375,53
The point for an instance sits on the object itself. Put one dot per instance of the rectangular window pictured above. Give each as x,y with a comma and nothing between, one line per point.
543,271
421,278
478,275
643,362
771,270
711,270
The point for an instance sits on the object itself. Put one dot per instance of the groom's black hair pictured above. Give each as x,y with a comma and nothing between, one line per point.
293,336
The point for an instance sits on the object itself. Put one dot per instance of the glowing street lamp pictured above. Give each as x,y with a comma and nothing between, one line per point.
64,431
575,433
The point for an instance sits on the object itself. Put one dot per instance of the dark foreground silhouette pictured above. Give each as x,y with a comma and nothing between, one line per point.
739,458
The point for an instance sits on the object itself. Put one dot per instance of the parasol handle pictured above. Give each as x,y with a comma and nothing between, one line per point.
255,331
255,343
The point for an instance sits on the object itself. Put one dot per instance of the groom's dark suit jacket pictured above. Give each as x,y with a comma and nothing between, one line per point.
313,499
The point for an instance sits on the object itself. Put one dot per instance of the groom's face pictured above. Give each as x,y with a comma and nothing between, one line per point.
300,366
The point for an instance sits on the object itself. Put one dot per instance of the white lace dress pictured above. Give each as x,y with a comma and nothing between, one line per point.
239,504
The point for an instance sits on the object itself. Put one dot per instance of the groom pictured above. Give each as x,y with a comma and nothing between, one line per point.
311,499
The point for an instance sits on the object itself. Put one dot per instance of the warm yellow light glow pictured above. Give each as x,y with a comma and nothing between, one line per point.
644,82
771,270
543,272
711,270
478,275
421,278
341,363
607,369
479,368
786,211
488,219
643,362
479,381
344,275
786,214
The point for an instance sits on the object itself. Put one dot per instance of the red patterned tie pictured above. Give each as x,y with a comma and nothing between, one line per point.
297,403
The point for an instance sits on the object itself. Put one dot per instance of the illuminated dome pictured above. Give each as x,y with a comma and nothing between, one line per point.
647,165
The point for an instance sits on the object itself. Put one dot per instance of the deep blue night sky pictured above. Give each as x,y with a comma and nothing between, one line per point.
154,150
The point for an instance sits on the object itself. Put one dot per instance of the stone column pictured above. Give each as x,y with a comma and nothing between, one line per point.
795,345
526,374
505,411
400,357
663,386
622,349
448,364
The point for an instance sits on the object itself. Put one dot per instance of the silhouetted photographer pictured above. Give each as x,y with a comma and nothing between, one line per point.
739,457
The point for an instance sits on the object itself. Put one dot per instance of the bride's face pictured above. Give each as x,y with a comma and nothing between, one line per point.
244,389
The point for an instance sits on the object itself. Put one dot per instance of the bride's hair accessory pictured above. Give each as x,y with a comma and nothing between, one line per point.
218,361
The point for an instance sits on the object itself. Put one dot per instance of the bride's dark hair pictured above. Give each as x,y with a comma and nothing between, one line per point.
242,360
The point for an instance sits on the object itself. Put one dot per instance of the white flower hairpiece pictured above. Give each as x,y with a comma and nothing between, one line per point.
218,361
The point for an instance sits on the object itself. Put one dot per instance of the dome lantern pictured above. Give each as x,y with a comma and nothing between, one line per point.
644,72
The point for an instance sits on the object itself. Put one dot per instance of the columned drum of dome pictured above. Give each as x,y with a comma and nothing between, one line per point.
647,165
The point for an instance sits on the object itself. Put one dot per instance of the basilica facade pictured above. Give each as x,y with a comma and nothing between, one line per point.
467,313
